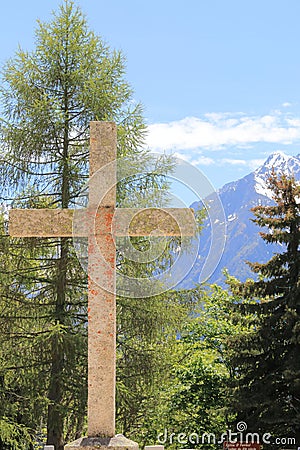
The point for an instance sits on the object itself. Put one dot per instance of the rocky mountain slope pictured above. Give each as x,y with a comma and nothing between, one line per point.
242,239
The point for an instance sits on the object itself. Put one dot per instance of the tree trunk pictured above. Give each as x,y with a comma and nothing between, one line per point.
55,425
55,422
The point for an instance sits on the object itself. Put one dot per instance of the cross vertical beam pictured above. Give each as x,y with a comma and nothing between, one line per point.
100,222
101,303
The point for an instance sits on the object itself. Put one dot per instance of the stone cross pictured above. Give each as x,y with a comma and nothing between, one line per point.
101,232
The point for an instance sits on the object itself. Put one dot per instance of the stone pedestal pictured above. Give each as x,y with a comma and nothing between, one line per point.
154,447
118,442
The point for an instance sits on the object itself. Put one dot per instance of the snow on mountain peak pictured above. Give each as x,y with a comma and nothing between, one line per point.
281,164
277,159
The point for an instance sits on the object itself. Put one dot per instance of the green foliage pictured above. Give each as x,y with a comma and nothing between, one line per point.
148,330
266,390
48,98
194,399
30,334
13,436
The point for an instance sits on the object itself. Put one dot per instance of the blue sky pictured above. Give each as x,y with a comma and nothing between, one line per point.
219,80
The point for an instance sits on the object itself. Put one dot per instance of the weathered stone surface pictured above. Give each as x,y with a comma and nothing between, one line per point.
155,221
101,332
101,271
103,153
154,447
118,442
40,222
100,222
126,222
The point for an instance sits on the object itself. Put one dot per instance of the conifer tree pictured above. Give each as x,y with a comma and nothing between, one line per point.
48,98
266,393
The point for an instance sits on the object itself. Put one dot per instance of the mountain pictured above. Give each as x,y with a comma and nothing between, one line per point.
233,229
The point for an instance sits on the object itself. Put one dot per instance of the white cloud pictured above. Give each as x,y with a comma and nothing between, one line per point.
195,159
184,156
251,163
295,122
203,161
234,162
214,131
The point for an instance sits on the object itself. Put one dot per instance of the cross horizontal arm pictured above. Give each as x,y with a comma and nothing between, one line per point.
40,222
126,222
155,221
